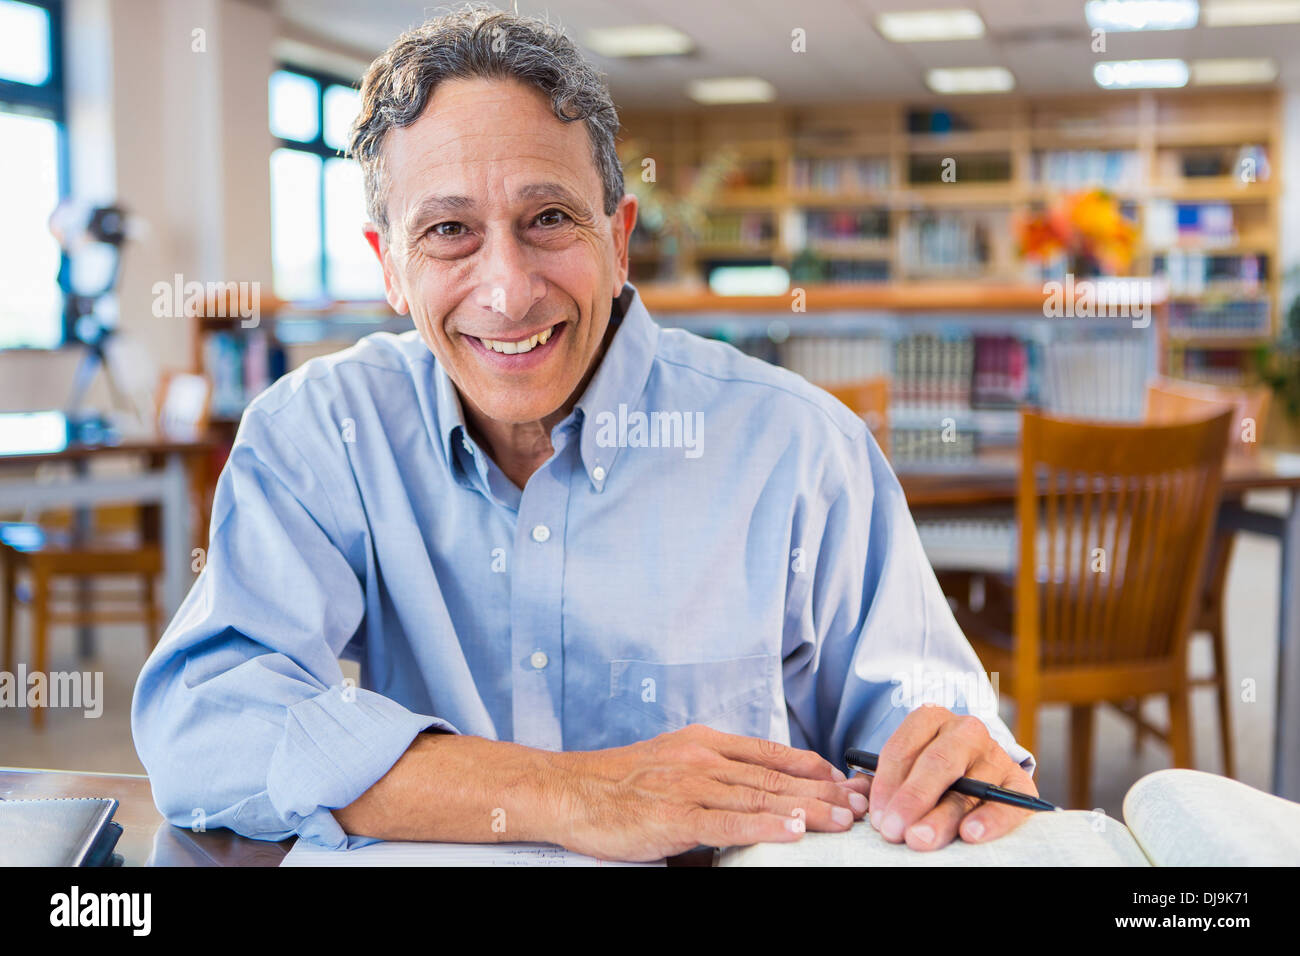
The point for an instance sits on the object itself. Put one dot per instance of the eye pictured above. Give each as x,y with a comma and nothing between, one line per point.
448,230
552,217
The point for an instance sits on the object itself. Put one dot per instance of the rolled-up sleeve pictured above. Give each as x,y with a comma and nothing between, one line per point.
241,715
875,638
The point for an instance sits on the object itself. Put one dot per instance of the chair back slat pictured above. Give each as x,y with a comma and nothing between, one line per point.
1114,524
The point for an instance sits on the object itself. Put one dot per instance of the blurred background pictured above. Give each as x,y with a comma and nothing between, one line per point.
875,194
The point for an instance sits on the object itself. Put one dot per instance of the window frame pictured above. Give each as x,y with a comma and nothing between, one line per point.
316,147
48,100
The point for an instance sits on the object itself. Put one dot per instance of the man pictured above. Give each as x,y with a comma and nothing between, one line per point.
610,586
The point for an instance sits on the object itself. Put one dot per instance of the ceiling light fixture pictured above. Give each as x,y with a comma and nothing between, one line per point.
649,40
923,26
731,89
1245,13
1124,15
1140,74
975,79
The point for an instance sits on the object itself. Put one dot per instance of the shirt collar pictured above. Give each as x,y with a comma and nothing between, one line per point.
619,380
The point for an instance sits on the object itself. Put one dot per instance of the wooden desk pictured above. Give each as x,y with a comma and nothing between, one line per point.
149,840
165,480
990,483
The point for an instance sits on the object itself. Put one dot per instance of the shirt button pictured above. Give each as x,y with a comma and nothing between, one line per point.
538,660
540,534
598,473
469,447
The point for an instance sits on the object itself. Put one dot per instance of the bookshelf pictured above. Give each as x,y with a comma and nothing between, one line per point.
962,362
855,193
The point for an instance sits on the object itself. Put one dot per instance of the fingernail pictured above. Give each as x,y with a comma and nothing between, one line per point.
842,816
923,832
892,828
974,829
838,775
876,816
858,802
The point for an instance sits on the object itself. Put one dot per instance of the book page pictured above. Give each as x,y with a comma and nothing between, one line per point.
398,853
1065,838
1191,818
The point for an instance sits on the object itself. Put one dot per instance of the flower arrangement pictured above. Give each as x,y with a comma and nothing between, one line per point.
1088,227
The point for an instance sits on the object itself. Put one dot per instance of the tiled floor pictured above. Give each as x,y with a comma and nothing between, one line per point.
70,741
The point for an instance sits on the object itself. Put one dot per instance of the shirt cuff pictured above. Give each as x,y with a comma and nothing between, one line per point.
335,747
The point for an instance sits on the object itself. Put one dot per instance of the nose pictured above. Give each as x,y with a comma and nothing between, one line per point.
508,284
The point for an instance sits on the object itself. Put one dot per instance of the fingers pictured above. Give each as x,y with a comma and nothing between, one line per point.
938,828
769,780
949,755
722,828
813,814
992,820
768,753
897,756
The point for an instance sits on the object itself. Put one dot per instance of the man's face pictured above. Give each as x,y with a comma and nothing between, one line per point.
499,247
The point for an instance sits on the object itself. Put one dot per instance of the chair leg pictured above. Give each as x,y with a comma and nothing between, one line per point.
1180,728
40,633
1026,723
10,587
1081,724
152,622
1133,707
1225,700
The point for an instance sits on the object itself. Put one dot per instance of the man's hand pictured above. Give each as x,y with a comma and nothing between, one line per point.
697,786
928,751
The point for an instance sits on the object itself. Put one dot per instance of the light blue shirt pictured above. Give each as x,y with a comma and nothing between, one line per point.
714,540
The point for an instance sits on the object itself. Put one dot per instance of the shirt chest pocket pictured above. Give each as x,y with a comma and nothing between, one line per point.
732,695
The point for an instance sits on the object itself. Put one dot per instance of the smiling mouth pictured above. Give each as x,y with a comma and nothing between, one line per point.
518,346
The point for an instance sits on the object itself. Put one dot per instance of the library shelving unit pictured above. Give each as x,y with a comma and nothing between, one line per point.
928,190
962,359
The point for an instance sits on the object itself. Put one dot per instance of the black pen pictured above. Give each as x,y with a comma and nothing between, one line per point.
866,762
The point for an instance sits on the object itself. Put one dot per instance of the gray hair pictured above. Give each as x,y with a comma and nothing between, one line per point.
480,42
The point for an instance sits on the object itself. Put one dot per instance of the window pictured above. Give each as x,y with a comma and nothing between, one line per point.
317,201
32,173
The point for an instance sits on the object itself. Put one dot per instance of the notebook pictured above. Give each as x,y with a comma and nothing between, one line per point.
398,853
61,832
1173,817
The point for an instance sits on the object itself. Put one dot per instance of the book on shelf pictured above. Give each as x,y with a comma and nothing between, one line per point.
1078,168
834,174
1171,818
1244,318
1096,378
241,366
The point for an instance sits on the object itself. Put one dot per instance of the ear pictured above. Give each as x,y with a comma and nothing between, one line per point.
392,286
623,222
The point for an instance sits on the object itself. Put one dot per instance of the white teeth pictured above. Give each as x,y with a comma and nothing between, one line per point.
515,348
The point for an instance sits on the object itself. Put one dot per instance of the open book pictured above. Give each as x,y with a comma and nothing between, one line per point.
1174,817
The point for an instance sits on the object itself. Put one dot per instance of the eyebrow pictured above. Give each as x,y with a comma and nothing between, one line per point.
431,207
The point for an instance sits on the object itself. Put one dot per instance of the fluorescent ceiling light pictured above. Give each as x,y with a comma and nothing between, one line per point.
1140,74
1234,70
975,79
1121,15
1242,13
731,89
649,40
916,26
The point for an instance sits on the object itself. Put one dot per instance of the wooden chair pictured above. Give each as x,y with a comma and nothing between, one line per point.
1091,626
123,542
869,398
1169,400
